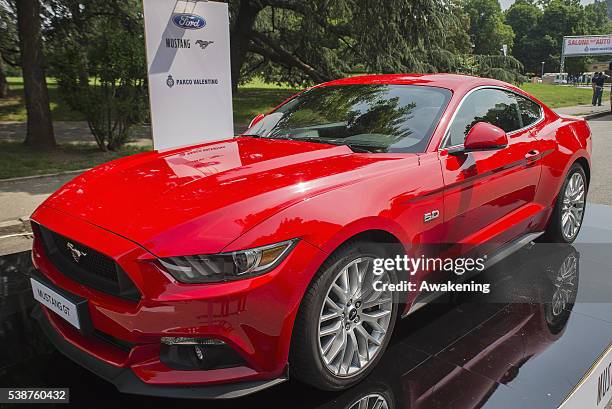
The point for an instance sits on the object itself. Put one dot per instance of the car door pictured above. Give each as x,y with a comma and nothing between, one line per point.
489,195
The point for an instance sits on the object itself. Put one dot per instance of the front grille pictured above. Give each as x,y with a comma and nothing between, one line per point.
86,265
91,260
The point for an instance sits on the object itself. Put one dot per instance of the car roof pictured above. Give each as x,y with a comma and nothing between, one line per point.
454,82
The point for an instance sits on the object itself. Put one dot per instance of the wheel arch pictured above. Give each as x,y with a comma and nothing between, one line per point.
578,158
375,228
582,161
375,236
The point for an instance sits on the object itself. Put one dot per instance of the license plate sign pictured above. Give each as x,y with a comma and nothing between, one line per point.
56,302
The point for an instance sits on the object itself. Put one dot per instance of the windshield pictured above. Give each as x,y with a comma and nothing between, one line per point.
366,117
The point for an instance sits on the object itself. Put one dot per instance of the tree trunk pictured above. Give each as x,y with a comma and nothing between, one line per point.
240,37
39,126
3,83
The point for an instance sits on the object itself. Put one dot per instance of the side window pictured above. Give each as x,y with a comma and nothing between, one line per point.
495,106
530,111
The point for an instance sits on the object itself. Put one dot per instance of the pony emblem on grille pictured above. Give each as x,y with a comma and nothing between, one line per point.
76,253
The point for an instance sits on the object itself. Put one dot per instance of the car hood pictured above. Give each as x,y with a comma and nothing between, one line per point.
206,196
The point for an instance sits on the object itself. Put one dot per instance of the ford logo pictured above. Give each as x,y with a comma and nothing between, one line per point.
188,21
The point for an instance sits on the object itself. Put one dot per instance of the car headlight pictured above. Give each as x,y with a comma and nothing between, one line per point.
227,266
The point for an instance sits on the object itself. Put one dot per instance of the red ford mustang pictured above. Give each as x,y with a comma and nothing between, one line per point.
220,269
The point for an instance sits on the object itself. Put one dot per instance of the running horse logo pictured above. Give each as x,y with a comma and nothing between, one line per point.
76,253
204,43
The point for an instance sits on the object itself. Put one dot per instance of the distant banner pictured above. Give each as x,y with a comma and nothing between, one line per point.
587,45
188,56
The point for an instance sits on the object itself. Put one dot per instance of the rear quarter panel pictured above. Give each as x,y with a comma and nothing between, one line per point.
565,140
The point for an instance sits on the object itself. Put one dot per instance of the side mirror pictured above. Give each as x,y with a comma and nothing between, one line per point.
258,118
483,137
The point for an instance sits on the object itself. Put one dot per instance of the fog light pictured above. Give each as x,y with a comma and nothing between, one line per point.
185,354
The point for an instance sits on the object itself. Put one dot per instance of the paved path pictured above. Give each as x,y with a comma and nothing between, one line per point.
69,132
584,110
20,198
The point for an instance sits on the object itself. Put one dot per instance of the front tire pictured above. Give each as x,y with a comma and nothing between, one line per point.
566,219
343,325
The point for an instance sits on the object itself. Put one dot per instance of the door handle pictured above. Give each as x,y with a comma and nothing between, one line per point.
531,153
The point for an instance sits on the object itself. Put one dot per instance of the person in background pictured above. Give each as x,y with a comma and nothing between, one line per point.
594,86
598,87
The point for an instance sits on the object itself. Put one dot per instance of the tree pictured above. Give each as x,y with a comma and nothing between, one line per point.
540,31
97,55
4,88
488,31
562,18
291,41
9,53
596,18
503,68
313,41
524,16
39,125
458,37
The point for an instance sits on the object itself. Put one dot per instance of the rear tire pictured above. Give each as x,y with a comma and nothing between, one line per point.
568,213
340,301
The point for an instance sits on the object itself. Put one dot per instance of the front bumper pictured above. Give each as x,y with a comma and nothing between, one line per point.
126,381
253,316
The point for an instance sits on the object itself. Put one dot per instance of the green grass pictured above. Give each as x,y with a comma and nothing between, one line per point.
260,83
18,160
258,97
556,96
249,102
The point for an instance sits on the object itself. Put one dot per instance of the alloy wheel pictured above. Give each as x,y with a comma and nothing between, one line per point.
372,401
565,285
354,319
572,210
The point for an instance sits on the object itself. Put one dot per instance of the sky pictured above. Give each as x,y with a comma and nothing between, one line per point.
507,3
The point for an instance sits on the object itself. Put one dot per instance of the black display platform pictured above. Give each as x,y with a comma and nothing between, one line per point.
526,344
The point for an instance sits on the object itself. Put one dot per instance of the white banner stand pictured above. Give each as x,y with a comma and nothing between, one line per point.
188,60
